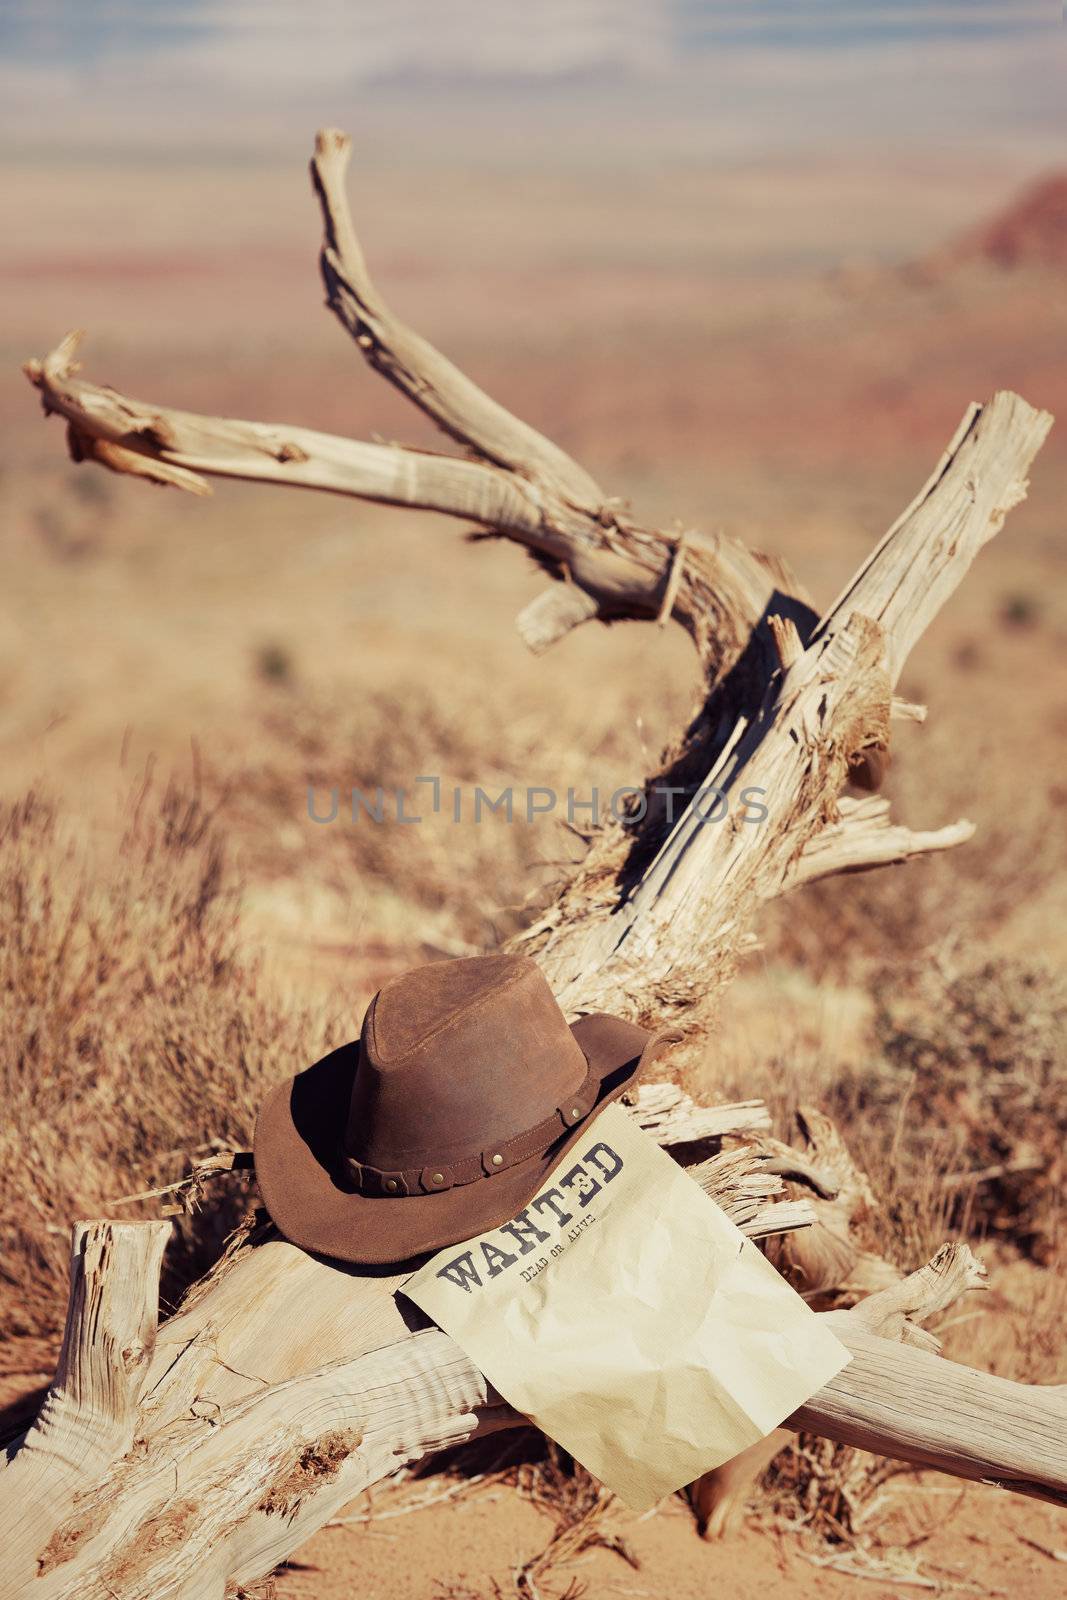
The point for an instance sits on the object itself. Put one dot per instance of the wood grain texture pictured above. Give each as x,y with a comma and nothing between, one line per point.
918,1407
92,1411
223,1485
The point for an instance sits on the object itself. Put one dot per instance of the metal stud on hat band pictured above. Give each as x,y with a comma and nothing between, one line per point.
447,1175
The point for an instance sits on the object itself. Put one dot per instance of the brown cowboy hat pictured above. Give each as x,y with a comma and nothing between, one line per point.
464,1090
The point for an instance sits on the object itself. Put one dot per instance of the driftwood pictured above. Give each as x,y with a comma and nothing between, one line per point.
286,1385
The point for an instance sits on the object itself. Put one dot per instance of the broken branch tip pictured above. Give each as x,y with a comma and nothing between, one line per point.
332,144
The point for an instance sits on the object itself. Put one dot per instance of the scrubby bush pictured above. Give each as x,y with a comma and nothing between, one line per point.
980,1057
133,1033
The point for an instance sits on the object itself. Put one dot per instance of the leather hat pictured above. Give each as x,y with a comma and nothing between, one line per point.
466,1087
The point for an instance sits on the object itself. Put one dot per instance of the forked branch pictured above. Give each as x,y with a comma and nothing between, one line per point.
420,372
521,485
621,568
825,707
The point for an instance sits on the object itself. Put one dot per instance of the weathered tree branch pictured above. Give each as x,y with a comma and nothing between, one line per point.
179,447
898,1310
864,836
91,1413
620,567
829,1264
286,1384
921,560
822,710
239,1464
161,1497
426,377
934,1413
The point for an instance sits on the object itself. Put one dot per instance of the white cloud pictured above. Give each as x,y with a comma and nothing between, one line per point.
288,45
256,71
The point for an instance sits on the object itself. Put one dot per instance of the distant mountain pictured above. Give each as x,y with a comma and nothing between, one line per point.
1030,232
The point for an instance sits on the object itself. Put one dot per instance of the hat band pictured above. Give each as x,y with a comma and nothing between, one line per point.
439,1175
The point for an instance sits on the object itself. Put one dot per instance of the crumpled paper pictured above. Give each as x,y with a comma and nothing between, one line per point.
625,1314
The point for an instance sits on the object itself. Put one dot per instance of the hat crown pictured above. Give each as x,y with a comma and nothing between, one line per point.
457,1055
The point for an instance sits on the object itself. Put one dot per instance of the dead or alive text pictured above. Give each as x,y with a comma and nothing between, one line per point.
558,1208
530,1272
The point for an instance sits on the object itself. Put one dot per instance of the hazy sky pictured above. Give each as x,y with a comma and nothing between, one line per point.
734,75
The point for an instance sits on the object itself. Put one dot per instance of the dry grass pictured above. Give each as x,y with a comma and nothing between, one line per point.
947,1082
975,897
978,1055
303,740
459,885
137,1035
132,1035
950,1089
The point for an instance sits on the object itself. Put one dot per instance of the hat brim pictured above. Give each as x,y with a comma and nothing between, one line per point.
296,1148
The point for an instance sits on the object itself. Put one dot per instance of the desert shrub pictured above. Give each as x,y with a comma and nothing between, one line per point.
999,890
466,884
979,1057
132,1034
952,1099
460,882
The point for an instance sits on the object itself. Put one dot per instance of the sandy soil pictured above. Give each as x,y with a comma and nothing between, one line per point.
983,1542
